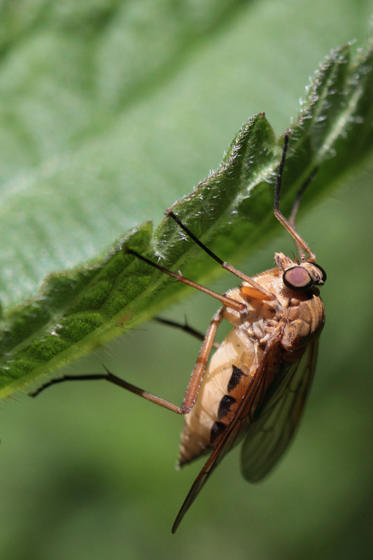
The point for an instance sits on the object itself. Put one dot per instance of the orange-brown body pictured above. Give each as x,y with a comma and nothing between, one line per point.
291,317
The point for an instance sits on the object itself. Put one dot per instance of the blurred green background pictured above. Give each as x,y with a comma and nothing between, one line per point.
86,469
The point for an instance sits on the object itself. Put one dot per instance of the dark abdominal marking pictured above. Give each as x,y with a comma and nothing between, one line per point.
216,430
224,406
237,373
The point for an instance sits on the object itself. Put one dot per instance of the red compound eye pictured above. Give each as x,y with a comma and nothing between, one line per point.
297,278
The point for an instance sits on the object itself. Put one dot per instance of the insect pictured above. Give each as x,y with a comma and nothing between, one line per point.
255,385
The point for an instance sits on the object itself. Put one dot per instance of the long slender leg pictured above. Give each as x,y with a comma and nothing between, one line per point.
295,207
288,225
229,302
223,264
193,385
300,193
201,363
108,376
183,327
88,377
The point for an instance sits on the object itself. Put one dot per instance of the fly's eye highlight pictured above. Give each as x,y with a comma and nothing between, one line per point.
297,278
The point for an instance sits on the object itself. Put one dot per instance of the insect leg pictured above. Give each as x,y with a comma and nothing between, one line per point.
289,224
265,293
295,208
300,193
229,302
88,377
201,363
193,385
183,327
108,376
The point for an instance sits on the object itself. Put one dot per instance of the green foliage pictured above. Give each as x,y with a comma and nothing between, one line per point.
230,211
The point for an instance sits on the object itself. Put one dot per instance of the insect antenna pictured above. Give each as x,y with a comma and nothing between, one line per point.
289,224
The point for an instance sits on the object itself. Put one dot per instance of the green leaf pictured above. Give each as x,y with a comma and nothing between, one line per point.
230,211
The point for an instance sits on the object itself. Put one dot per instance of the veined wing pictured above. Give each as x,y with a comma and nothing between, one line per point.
254,395
270,434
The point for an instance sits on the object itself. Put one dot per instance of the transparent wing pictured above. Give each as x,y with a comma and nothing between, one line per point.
252,400
269,435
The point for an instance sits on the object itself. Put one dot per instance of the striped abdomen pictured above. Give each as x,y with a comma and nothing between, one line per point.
222,389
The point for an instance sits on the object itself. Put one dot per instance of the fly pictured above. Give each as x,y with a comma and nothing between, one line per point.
255,385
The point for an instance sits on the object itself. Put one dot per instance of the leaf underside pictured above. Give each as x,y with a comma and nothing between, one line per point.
231,211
